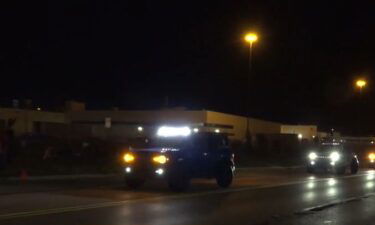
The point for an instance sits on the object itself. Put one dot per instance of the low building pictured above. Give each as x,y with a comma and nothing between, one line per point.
131,123
23,121
76,121
308,132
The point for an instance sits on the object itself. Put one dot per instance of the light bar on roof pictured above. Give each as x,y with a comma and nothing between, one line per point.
166,131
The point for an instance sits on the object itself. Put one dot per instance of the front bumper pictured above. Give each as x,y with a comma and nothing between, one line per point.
151,171
324,163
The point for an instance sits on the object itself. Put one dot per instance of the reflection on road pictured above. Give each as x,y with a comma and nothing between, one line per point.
332,182
262,193
317,186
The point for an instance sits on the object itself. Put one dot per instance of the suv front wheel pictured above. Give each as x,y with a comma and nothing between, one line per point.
224,177
354,167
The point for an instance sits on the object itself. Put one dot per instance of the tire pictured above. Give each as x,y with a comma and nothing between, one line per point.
354,167
341,170
134,183
224,178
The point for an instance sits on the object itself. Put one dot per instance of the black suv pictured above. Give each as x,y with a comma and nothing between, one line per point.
332,157
179,159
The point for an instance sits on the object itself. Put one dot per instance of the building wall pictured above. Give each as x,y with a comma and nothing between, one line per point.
307,131
141,117
124,124
256,126
25,119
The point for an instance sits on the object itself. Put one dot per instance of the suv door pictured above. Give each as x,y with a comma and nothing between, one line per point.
218,150
199,154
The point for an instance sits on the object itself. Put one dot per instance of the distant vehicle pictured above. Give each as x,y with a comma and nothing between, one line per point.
332,157
178,155
371,159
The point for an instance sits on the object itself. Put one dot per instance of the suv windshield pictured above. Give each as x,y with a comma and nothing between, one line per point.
179,142
325,148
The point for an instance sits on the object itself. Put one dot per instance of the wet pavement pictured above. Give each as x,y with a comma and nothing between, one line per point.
258,196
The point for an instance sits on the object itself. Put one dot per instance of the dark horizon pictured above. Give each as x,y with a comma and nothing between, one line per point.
133,55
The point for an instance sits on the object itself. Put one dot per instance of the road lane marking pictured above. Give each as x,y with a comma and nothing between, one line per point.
332,204
169,197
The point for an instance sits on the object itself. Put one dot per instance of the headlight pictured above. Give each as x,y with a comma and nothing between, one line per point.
371,156
128,158
162,159
335,156
313,156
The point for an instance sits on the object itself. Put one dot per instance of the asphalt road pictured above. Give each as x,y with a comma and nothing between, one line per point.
258,196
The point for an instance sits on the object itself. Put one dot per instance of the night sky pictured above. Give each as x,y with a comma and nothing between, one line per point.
132,54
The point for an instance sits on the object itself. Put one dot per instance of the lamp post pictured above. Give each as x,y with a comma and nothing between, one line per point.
250,38
360,83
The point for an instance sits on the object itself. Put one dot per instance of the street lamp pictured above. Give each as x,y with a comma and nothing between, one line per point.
360,84
250,38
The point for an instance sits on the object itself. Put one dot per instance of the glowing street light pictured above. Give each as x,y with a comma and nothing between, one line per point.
250,38
360,83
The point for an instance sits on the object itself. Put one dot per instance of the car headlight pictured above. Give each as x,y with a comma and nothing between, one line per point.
128,157
335,156
371,156
313,156
161,159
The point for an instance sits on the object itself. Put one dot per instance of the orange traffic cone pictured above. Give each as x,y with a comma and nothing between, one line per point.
24,176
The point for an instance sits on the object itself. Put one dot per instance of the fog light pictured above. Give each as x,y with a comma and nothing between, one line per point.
128,169
159,171
162,159
312,163
332,163
128,158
